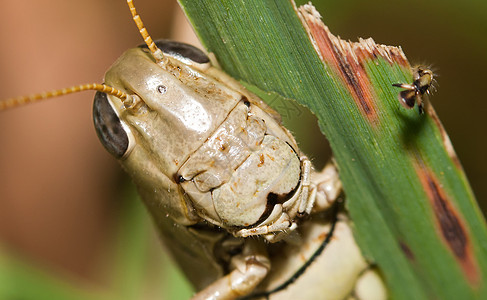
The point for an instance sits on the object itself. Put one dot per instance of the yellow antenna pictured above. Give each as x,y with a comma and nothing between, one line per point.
127,100
156,52
14,102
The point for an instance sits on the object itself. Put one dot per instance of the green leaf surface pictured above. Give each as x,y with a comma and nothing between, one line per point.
413,210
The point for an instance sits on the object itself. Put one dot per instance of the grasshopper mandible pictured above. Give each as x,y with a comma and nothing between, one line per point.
239,206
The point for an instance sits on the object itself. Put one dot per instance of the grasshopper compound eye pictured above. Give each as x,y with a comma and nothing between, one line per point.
110,130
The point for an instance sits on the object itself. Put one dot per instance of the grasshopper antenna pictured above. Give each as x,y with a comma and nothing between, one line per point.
19,101
127,100
156,52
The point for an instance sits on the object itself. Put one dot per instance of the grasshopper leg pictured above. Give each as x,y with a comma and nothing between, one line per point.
250,268
325,188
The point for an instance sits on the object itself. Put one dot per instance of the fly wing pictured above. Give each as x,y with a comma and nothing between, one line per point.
408,98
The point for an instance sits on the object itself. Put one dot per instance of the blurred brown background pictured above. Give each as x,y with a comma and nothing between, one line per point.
59,189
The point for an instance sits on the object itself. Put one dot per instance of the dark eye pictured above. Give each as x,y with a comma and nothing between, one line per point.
108,126
182,49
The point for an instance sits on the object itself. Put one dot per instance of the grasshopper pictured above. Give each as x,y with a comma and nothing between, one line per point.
239,206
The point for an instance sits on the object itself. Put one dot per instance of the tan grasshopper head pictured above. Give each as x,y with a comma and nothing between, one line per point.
176,108
196,143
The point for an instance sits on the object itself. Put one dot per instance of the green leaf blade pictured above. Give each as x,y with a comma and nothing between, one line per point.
412,206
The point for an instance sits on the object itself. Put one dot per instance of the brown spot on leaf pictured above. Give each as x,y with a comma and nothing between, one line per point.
261,160
406,250
347,59
333,54
450,223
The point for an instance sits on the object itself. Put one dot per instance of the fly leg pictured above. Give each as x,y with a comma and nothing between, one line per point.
249,269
